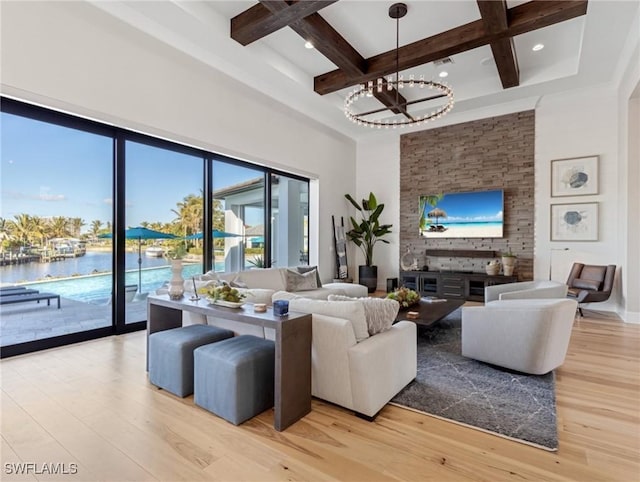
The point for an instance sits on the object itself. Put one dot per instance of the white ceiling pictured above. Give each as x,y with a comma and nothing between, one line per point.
579,52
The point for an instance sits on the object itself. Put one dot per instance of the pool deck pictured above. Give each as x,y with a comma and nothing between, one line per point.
25,322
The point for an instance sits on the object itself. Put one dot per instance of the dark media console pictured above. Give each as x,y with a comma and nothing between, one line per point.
464,285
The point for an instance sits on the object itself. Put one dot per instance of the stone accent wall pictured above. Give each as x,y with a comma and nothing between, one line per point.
493,153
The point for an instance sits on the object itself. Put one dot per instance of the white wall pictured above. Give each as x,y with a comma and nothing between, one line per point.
378,167
567,125
629,149
73,57
573,125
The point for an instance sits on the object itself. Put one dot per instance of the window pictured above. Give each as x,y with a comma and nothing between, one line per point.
238,217
289,221
56,202
73,189
164,195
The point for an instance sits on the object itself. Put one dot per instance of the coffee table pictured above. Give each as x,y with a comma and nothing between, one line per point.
430,313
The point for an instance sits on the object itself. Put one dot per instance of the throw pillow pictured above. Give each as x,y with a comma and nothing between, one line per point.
284,295
237,283
306,269
209,276
301,282
348,310
257,295
380,313
585,284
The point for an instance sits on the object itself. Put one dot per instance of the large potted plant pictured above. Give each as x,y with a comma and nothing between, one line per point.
365,234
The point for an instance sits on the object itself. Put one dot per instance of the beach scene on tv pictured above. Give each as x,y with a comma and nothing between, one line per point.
462,215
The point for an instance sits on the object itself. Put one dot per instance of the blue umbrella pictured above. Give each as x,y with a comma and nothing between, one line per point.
141,233
216,234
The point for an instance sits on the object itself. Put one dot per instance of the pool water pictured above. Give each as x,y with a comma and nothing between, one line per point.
97,288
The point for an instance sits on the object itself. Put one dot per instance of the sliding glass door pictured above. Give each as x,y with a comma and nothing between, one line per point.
92,215
56,203
163,195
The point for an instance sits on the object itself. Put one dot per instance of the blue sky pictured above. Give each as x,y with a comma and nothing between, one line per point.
49,170
480,206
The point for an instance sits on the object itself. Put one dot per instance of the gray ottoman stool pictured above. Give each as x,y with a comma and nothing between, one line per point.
171,355
234,378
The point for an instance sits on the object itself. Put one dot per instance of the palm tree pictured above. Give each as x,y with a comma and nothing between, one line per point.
76,225
5,232
58,227
22,227
189,212
432,201
96,225
38,229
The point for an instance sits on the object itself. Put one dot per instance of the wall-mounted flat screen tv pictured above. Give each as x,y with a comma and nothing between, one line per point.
462,215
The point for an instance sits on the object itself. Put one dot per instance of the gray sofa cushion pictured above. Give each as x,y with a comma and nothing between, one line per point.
306,269
301,281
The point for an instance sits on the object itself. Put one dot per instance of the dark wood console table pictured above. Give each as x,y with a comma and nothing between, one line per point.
292,342
452,284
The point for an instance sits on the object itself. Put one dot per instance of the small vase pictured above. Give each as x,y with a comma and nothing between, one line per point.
508,265
176,284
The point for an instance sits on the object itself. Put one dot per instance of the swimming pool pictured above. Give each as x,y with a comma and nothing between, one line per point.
97,288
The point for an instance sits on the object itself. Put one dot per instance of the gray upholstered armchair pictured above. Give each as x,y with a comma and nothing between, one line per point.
590,283
526,335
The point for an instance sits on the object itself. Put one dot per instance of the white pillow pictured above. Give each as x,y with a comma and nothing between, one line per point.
210,276
349,310
380,313
188,284
257,295
284,295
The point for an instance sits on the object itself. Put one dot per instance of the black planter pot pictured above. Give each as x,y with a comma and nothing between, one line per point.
368,276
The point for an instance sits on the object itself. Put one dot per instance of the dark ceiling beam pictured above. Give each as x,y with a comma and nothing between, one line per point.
338,50
394,101
494,16
325,39
258,21
521,19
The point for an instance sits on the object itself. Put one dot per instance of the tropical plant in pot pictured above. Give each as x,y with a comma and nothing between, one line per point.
365,234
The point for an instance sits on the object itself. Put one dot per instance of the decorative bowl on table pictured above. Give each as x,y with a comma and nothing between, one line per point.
223,296
227,304
405,296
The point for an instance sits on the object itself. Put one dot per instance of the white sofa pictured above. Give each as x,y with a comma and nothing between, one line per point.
525,290
262,286
529,335
361,376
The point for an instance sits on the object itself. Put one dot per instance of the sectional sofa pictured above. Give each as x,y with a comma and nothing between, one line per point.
350,367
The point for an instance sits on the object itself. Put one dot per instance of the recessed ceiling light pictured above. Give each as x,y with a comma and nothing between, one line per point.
537,47
308,45
443,74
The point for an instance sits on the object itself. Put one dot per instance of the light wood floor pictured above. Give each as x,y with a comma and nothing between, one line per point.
91,405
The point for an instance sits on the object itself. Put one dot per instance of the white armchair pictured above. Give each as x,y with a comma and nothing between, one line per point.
529,336
525,290
361,376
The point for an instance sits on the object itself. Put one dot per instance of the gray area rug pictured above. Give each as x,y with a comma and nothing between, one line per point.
500,401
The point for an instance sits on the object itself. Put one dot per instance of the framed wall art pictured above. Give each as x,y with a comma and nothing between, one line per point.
574,177
574,222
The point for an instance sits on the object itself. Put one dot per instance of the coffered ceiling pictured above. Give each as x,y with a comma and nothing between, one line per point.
489,45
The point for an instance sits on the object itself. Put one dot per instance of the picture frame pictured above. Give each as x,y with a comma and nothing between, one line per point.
574,177
574,222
